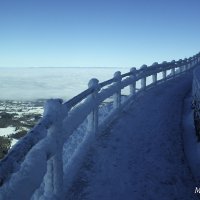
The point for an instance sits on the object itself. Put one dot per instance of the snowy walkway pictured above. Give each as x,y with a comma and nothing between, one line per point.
141,156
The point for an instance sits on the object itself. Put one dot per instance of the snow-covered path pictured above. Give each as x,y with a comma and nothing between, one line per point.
141,156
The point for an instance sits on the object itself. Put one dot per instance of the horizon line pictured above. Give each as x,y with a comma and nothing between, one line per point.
56,67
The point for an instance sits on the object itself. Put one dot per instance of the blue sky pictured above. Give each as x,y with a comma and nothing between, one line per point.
97,33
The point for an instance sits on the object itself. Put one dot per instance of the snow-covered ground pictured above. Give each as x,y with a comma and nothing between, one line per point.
8,131
16,116
141,155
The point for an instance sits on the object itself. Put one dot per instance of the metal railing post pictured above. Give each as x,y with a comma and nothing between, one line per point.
154,76
173,68
143,79
56,110
117,95
164,72
133,77
93,117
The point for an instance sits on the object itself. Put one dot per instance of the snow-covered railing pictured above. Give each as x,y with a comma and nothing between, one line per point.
33,169
196,100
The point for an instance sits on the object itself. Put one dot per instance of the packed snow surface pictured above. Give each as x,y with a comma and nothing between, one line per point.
7,131
141,155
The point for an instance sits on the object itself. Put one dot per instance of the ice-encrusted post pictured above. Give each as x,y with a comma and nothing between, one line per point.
143,79
173,68
196,60
193,61
164,72
54,109
177,68
181,65
93,117
117,95
133,77
190,63
154,76
186,64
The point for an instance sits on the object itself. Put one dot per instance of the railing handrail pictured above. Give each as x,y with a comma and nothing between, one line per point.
59,115
168,65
